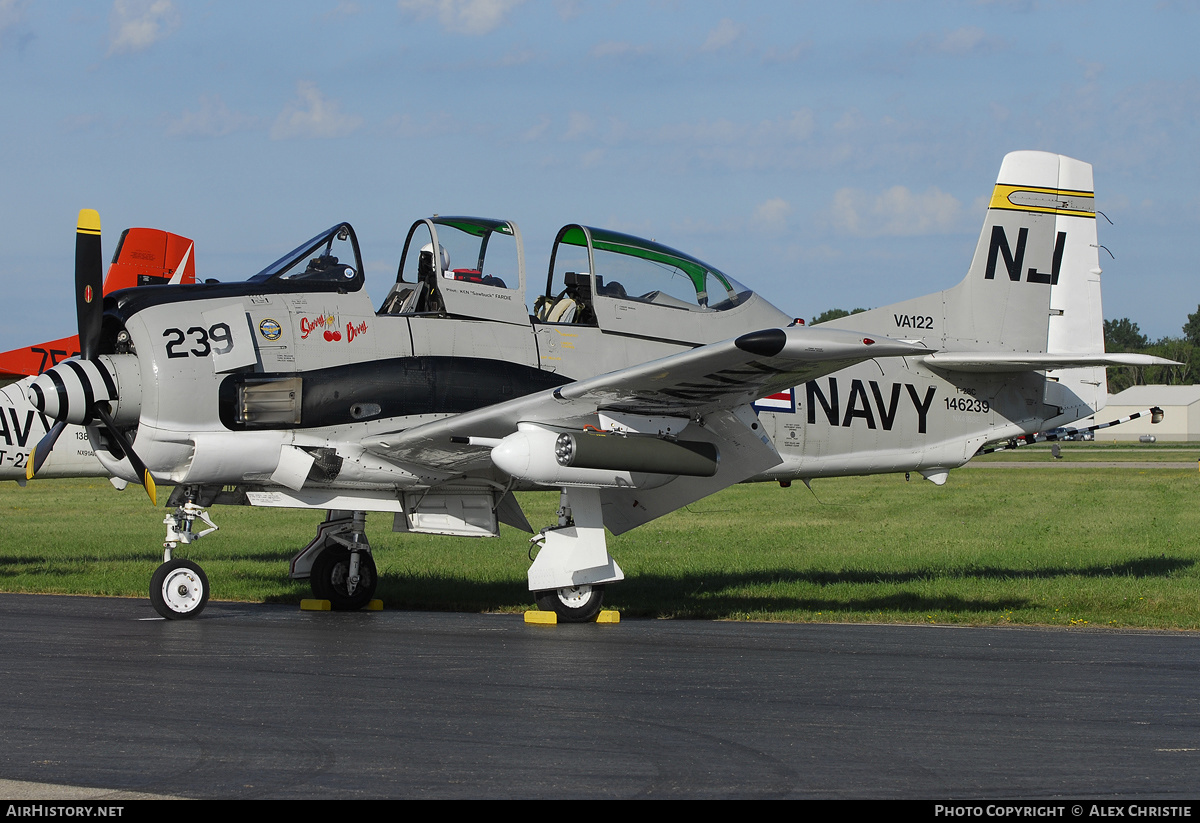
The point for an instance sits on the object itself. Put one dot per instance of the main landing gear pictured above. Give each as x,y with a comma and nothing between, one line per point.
572,604
569,573
568,576
338,562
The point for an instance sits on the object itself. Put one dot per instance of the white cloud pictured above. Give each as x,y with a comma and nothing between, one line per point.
82,122
1091,69
12,18
568,9
896,212
578,125
788,129
213,119
725,33
592,158
136,25
618,48
434,124
313,115
537,130
462,16
773,214
788,55
961,41
12,12
344,9
800,126
518,57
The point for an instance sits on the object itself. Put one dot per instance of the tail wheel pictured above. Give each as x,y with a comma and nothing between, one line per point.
330,579
179,590
572,604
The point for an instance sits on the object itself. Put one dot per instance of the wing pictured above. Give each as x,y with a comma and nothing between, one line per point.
712,386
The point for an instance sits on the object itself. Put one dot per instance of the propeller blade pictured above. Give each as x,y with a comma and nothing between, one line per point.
37,457
127,447
89,282
89,313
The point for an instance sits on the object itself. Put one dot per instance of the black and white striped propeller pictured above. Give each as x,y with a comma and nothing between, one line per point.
82,392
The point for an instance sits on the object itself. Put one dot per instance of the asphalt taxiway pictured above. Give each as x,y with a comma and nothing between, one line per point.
262,701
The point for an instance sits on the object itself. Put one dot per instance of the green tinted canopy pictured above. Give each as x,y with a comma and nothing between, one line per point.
619,243
477,226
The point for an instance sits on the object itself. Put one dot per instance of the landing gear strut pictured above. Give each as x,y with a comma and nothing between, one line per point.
568,575
179,588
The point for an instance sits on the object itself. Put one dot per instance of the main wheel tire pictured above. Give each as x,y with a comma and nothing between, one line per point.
179,590
572,604
329,575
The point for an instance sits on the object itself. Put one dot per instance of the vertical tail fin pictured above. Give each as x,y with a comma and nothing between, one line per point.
150,257
1034,282
1033,285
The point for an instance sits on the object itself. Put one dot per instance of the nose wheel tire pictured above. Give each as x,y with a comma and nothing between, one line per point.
179,590
572,604
330,579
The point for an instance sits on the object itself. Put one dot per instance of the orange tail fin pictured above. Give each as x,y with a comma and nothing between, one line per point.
144,257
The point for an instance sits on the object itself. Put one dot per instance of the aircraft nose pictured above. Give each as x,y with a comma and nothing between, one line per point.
48,394
69,392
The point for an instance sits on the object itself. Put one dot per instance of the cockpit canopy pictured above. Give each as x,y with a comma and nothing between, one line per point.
641,270
462,266
629,285
331,258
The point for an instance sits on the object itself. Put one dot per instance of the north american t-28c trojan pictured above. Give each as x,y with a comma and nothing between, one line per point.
631,388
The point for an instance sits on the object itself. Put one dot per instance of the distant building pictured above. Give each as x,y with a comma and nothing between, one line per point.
1181,413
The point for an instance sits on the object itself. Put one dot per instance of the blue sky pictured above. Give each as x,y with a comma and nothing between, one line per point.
825,154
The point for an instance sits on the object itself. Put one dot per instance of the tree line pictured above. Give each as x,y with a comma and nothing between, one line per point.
1123,335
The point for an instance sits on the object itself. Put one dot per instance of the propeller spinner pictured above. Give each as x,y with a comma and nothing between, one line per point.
82,392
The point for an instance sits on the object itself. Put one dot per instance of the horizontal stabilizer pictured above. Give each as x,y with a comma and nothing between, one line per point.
974,361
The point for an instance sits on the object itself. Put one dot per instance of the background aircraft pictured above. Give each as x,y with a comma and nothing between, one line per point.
630,390
143,257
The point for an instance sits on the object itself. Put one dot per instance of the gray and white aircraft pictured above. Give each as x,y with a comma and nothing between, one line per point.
631,388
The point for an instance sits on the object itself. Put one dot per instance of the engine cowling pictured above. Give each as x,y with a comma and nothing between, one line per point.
69,392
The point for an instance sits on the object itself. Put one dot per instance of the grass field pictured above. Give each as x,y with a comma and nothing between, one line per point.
1089,547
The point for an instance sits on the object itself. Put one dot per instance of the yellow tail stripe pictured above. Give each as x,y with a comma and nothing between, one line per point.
1043,200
